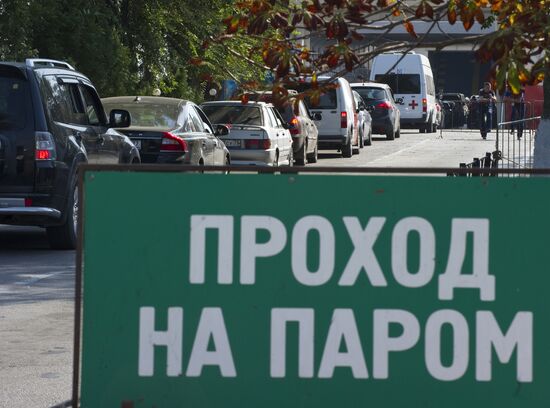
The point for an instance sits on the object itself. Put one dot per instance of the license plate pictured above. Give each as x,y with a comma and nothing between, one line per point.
137,143
232,143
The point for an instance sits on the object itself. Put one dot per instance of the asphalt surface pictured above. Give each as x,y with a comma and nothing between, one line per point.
36,312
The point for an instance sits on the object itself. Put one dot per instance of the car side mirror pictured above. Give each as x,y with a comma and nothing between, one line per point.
119,118
286,125
317,116
222,130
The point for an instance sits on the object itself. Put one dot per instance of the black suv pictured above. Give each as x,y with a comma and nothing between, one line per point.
51,119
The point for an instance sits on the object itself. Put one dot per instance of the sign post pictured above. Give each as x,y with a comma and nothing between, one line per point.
247,290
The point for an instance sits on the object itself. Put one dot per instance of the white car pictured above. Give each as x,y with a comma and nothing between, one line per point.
258,135
337,117
364,120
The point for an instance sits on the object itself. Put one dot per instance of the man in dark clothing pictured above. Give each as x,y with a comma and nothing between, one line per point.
486,100
518,110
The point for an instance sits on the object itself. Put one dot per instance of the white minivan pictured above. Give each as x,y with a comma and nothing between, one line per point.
412,83
337,115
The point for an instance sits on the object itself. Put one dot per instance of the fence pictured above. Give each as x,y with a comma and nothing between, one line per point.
515,140
459,116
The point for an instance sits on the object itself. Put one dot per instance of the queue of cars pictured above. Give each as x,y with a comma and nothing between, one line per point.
52,119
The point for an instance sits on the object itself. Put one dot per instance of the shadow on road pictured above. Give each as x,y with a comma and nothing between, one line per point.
22,238
330,155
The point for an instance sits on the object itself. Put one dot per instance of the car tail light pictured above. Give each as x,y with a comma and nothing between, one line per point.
424,105
257,144
384,105
294,126
28,202
172,143
343,120
45,146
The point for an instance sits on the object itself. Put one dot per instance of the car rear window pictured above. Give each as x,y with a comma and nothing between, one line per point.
233,114
328,100
15,102
148,114
287,112
371,93
401,83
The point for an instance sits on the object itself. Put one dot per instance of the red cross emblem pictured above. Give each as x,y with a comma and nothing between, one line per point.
413,104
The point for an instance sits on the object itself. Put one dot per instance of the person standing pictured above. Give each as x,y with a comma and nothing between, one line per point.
486,101
518,110
518,113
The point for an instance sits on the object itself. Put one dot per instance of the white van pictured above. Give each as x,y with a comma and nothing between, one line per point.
412,83
337,124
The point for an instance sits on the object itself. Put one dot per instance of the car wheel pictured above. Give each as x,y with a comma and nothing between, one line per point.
301,158
312,158
362,139
347,149
390,135
276,162
430,126
368,142
355,149
65,236
291,157
227,163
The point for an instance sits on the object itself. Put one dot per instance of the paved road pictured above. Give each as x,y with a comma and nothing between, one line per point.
36,319
414,149
36,284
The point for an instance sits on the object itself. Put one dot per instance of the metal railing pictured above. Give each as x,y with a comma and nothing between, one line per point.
455,117
516,142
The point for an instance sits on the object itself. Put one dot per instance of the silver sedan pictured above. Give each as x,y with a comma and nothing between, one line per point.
170,130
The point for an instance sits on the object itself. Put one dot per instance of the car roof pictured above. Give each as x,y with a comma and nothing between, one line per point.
145,99
250,103
290,91
14,64
44,65
369,84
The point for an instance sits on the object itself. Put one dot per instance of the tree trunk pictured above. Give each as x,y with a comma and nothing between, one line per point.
541,159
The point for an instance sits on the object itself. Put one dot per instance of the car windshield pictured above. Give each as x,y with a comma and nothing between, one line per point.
233,114
401,83
14,100
371,93
149,114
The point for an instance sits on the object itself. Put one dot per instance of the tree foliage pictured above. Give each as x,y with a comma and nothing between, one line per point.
519,48
127,46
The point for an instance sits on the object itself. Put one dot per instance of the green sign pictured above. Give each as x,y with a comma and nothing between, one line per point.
247,290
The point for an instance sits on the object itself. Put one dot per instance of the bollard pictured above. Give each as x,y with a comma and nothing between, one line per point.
476,164
487,162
